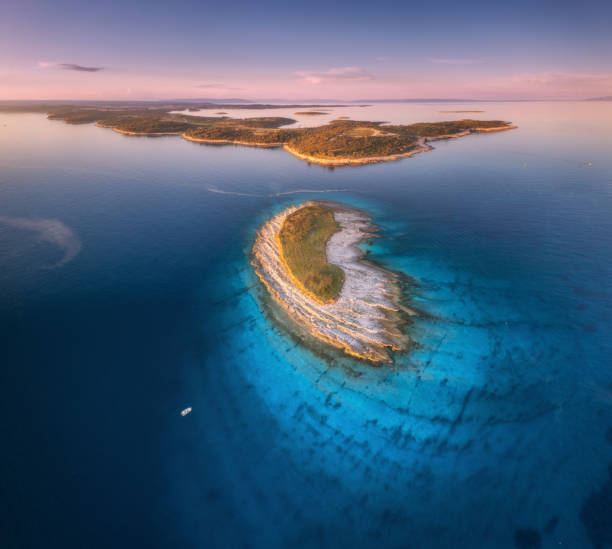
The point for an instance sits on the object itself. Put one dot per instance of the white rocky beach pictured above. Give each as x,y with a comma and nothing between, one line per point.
364,319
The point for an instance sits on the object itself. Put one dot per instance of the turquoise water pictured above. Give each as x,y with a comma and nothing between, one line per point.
126,295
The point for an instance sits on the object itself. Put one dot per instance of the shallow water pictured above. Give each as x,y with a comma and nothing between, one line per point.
494,431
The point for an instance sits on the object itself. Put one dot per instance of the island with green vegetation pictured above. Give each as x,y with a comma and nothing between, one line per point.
254,132
457,111
309,261
310,113
150,126
354,143
341,142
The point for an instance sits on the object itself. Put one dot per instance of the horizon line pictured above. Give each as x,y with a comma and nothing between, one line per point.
231,100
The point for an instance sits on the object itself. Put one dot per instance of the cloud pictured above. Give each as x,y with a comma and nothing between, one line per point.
563,79
68,67
79,68
570,85
216,87
455,61
343,74
51,231
538,85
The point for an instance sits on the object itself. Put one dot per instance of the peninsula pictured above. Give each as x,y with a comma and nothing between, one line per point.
342,142
308,258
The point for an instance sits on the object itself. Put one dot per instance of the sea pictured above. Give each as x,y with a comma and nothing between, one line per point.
127,295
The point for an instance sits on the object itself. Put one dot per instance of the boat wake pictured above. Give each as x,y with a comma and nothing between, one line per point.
271,195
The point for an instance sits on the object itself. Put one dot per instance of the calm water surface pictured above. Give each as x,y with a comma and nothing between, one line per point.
126,295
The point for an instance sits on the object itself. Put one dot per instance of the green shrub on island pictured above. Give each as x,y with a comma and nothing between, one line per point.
250,130
346,139
87,115
303,237
260,122
151,126
437,129
113,121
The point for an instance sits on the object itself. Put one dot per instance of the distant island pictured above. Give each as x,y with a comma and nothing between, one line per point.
342,142
446,112
308,259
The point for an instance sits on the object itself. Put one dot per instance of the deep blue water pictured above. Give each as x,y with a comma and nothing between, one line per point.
139,300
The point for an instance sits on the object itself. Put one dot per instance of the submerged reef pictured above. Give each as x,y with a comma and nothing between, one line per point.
366,317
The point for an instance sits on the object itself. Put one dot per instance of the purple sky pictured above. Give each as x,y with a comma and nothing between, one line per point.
64,49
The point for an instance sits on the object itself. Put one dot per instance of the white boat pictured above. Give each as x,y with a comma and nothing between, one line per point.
186,411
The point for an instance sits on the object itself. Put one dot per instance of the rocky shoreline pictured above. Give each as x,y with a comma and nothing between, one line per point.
143,134
230,142
422,145
365,320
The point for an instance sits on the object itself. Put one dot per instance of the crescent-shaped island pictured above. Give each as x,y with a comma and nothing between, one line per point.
307,257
